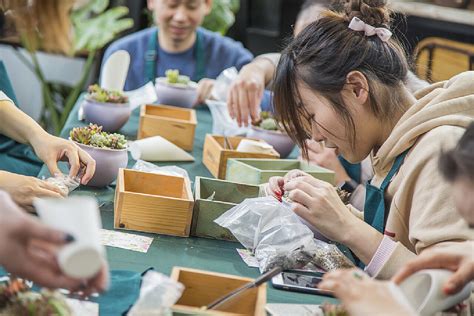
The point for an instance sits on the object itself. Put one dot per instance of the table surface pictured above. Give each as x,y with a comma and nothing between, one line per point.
166,252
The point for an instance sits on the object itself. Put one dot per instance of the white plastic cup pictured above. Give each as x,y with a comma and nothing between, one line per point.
253,146
424,291
157,148
78,216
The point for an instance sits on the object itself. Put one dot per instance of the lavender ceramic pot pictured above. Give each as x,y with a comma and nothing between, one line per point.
176,94
280,141
111,116
108,162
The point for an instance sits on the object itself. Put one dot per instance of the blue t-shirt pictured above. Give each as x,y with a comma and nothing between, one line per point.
220,53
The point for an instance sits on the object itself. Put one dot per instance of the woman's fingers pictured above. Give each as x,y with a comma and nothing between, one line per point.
427,260
243,107
90,164
73,157
463,276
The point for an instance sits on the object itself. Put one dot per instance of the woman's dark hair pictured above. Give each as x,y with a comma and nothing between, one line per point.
459,161
322,56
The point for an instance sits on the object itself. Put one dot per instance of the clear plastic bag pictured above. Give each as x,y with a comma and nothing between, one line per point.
65,183
223,82
222,123
277,236
157,294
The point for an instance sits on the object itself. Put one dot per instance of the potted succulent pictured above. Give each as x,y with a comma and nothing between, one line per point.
16,298
268,130
176,89
108,150
109,109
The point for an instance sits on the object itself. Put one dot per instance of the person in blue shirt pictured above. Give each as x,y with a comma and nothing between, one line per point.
177,42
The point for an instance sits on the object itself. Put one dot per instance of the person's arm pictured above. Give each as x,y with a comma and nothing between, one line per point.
19,126
246,92
50,149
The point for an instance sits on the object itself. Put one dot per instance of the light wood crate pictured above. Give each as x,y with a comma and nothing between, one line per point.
153,203
178,125
217,150
203,287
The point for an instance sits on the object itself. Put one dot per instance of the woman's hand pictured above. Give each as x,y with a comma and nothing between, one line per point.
50,149
28,249
361,295
318,203
24,189
326,158
275,186
246,93
204,90
460,260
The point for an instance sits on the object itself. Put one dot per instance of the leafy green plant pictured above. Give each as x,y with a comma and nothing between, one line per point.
94,26
93,135
96,93
222,16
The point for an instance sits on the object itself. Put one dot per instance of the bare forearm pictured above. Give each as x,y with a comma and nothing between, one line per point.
363,240
266,64
17,125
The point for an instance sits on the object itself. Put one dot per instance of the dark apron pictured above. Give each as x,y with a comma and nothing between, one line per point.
375,213
151,57
15,157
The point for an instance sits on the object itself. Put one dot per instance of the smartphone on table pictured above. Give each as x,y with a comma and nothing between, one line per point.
300,281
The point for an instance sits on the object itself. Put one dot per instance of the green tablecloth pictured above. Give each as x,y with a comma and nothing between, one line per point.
167,252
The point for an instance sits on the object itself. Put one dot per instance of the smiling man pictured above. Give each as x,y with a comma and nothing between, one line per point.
178,42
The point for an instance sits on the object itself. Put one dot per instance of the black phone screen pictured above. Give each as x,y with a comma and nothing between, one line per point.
300,279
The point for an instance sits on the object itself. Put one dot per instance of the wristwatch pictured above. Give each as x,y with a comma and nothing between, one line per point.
349,186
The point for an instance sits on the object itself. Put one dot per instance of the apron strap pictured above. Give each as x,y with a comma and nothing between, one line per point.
151,57
396,166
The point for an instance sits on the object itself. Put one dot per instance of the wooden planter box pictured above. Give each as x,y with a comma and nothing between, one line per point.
153,203
217,150
203,287
173,123
226,195
258,171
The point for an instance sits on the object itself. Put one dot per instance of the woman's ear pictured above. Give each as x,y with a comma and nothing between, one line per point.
357,87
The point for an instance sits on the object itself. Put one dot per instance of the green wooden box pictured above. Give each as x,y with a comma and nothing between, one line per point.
258,171
226,195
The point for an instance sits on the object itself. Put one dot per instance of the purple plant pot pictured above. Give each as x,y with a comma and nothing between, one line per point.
280,141
178,95
111,116
108,162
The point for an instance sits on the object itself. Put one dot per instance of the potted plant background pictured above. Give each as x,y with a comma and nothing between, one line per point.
93,26
109,109
108,150
268,130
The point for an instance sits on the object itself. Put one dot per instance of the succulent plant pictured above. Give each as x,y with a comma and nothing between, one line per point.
17,299
173,77
94,136
102,95
267,122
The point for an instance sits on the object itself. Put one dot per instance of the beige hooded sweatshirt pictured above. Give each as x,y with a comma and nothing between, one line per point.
421,209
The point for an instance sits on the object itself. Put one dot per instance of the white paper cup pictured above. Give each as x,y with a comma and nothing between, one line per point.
157,148
424,291
253,146
79,216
